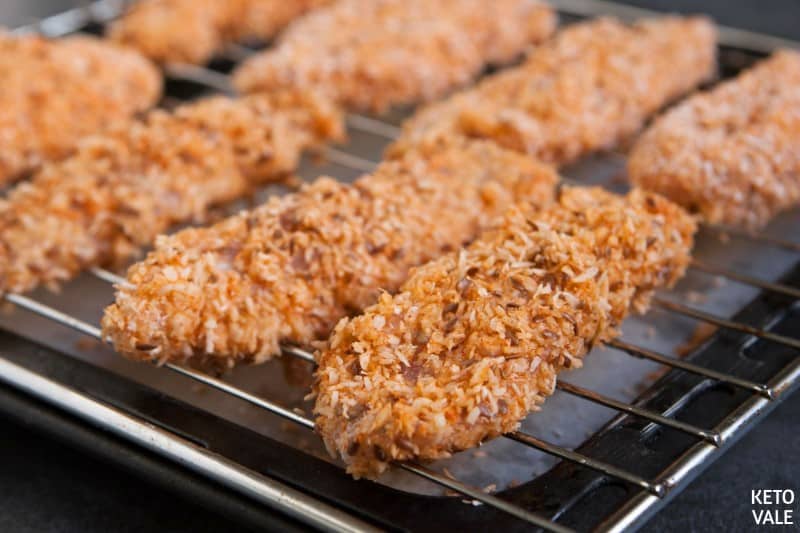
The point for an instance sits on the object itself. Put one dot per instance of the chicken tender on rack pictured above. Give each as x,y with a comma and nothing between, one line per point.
290,269
121,189
56,91
192,31
589,88
372,54
732,154
473,341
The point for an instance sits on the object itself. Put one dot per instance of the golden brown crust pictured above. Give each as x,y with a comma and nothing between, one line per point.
268,131
590,87
473,341
57,91
287,271
121,189
372,54
192,31
731,154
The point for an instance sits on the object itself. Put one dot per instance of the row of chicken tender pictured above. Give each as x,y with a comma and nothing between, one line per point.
370,55
171,268
104,183
356,53
376,54
473,339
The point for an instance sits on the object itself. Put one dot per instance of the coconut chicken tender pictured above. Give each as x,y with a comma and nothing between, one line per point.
122,188
588,89
473,341
372,54
287,271
732,154
55,92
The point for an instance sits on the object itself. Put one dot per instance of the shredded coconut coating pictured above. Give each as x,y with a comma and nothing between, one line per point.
57,91
269,131
123,188
372,54
192,31
731,154
589,88
473,341
290,269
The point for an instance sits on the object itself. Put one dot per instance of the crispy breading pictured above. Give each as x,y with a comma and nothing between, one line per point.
589,88
731,154
124,187
290,269
56,91
372,54
268,131
473,341
192,31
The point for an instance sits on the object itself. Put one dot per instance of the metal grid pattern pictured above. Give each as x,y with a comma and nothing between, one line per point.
653,490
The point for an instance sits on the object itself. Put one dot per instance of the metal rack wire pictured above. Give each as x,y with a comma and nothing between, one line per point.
708,439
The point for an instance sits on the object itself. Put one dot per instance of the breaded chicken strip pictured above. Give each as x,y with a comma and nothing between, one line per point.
56,91
731,154
372,54
289,270
122,188
192,31
473,341
586,90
